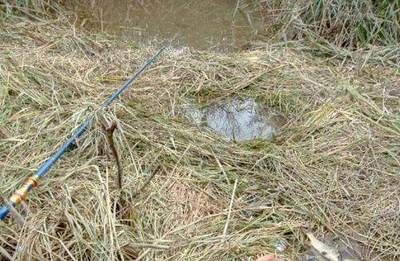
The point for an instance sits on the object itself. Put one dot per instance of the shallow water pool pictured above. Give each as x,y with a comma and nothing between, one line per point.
236,119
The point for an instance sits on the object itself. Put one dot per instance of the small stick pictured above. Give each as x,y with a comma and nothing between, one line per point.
230,209
146,183
110,139
5,254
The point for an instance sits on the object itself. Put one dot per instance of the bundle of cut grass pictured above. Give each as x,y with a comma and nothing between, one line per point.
187,192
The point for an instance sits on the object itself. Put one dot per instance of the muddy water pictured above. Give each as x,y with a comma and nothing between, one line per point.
236,119
223,25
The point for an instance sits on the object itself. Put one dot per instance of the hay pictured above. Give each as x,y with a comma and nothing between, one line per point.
333,170
352,24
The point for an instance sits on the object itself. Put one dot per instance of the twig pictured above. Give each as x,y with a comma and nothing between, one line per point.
110,139
146,183
148,180
230,209
5,254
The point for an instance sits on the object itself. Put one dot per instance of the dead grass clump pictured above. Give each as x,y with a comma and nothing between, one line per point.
351,24
332,170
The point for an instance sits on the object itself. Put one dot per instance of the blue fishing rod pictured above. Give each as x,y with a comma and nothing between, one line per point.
32,181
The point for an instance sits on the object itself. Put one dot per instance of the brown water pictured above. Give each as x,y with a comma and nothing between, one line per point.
223,25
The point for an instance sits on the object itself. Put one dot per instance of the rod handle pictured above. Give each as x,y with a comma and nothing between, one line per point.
4,212
19,196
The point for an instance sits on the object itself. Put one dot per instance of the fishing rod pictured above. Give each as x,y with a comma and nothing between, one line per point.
32,181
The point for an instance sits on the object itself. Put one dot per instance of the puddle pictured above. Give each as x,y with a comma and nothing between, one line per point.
236,119
223,25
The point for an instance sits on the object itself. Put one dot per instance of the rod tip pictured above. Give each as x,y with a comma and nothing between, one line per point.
4,212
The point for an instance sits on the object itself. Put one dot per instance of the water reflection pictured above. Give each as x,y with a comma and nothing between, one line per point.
236,119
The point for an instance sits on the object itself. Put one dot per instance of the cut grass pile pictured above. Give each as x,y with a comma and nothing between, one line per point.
333,170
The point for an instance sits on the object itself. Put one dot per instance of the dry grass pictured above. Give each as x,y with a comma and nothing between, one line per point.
351,24
334,169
